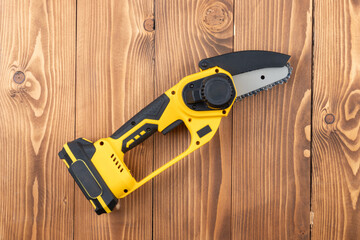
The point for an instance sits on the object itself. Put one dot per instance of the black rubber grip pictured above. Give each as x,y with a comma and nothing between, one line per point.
152,111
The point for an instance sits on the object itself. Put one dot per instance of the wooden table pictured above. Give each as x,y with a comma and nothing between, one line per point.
283,165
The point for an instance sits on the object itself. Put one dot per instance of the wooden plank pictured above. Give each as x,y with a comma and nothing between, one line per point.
271,150
192,199
336,120
36,118
114,81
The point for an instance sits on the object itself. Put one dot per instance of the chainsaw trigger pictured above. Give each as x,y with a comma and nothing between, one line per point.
171,126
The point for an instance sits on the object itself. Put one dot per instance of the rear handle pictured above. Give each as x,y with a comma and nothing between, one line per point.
153,111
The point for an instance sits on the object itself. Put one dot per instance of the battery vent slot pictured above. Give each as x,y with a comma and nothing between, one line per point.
117,163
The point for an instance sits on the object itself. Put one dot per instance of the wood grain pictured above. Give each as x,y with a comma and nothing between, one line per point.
114,82
192,199
271,164
90,65
336,146
36,118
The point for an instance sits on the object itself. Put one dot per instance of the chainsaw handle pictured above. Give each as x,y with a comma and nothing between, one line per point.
153,111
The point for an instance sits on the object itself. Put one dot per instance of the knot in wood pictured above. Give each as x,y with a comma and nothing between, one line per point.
149,24
216,17
329,118
19,77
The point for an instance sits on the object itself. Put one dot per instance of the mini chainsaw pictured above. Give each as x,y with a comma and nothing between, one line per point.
199,101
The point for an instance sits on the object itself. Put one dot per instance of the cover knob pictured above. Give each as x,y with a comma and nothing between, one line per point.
218,91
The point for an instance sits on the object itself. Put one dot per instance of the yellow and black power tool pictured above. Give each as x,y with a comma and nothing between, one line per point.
199,101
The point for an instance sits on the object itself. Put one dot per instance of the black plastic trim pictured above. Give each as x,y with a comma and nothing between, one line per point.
149,129
86,179
196,103
152,111
172,126
245,61
205,130
65,156
84,150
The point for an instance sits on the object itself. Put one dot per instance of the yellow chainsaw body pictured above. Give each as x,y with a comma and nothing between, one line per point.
108,158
